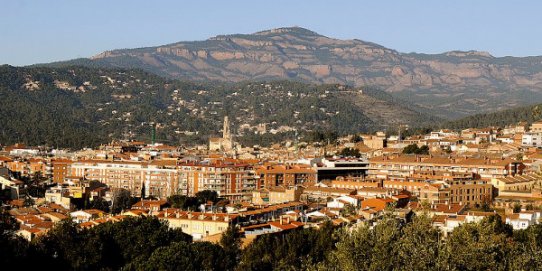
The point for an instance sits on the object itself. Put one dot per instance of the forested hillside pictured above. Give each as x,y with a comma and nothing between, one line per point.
83,107
499,119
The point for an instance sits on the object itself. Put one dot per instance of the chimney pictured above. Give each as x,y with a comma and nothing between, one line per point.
165,213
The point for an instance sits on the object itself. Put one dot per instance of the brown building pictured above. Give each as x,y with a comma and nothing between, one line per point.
61,169
285,175
473,193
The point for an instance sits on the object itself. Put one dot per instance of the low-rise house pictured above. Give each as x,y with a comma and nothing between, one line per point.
54,216
284,223
317,193
523,219
198,224
86,215
150,205
270,212
342,201
12,187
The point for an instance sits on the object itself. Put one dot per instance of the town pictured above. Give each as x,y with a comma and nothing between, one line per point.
455,177
270,135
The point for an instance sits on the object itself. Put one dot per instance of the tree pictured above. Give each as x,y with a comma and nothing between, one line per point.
100,204
354,250
207,195
350,152
356,138
13,249
121,201
177,201
348,209
28,201
414,149
231,244
479,246
183,256
517,207
410,245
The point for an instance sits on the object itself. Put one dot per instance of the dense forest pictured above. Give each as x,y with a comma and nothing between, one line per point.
148,244
529,114
83,107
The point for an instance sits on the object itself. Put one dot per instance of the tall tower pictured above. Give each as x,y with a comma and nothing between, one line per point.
226,134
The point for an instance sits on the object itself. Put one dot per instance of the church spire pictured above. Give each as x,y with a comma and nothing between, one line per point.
226,133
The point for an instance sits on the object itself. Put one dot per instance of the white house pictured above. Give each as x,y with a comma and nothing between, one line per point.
524,219
341,201
86,215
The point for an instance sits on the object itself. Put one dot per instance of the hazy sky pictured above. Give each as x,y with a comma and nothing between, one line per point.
44,31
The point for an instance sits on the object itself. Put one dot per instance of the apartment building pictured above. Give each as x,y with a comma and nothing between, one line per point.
140,178
285,175
60,169
472,192
162,178
386,167
231,179
531,139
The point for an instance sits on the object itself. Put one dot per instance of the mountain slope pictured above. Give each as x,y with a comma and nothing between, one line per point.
80,106
453,83
502,118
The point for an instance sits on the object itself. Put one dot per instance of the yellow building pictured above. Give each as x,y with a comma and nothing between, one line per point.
536,126
522,183
276,195
198,224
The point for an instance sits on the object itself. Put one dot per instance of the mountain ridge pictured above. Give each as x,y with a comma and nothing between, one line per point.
454,83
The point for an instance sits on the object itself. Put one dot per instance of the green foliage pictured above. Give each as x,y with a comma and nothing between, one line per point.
349,152
499,119
479,246
183,256
207,195
231,244
414,149
100,204
356,138
109,246
122,200
193,203
392,244
517,207
28,201
78,107
294,250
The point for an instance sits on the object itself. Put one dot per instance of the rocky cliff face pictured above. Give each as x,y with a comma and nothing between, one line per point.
460,82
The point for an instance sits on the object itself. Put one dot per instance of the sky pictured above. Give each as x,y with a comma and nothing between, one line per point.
44,31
